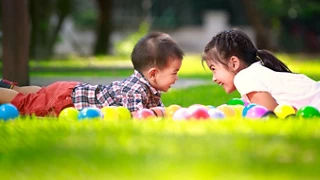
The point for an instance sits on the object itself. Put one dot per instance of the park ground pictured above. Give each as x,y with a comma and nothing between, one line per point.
48,148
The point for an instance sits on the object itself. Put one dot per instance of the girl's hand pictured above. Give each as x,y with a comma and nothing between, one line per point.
263,98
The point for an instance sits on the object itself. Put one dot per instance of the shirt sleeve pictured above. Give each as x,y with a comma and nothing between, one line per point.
247,82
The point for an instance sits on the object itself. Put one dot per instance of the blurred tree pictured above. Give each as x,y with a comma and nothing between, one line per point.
295,22
15,27
103,27
258,23
47,17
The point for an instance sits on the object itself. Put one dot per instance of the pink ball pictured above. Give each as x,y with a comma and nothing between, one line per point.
256,112
144,113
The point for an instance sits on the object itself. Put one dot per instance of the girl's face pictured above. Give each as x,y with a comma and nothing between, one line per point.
222,75
165,77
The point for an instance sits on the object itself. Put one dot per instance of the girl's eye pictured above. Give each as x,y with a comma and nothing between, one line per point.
212,68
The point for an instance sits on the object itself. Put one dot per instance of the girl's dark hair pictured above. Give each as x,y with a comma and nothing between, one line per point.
155,49
236,43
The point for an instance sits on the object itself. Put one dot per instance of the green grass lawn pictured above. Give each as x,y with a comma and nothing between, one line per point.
48,148
163,149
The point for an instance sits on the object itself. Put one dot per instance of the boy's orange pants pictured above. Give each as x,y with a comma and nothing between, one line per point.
49,100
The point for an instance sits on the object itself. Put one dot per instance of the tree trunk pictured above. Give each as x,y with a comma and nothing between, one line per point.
255,19
44,31
15,25
40,12
104,27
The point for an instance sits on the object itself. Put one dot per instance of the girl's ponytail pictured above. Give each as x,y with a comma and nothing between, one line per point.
269,60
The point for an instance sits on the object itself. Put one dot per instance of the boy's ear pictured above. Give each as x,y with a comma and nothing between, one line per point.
151,73
234,63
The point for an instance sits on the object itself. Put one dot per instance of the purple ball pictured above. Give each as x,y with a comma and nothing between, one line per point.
216,113
257,111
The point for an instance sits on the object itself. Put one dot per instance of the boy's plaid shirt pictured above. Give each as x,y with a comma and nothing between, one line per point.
134,93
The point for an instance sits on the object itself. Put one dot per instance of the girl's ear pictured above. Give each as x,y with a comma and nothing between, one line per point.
234,63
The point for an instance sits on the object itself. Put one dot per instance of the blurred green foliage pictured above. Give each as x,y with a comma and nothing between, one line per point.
125,46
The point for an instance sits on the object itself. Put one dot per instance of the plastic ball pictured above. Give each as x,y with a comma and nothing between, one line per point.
210,107
308,112
284,110
246,108
8,111
215,113
144,114
256,111
170,110
123,113
115,113
238,110
89,113
235,101
227,110
181,114
109,113
246,102
69,113
198,112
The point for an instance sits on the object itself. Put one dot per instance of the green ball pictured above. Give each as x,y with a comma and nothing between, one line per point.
235,101
308,112
69,113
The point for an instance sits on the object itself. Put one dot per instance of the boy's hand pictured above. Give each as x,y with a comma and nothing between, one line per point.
158,111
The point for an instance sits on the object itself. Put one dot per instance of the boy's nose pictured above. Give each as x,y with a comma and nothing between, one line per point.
214,79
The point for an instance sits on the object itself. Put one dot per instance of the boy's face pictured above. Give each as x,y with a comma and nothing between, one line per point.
167,76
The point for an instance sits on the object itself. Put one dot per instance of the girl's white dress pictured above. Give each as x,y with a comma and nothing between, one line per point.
286,88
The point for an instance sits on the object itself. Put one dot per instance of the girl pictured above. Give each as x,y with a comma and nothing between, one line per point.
258,75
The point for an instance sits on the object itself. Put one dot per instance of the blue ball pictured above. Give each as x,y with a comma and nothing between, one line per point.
89,113
246,108
8,111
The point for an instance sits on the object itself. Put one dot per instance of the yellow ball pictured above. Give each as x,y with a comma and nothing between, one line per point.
237,110
69,113
284,110
115,113
170,110
123,113
227,110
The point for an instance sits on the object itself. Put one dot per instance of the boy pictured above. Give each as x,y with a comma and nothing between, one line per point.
156,60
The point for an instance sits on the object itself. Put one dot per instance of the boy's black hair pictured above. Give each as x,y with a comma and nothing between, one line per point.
155,50
236,43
